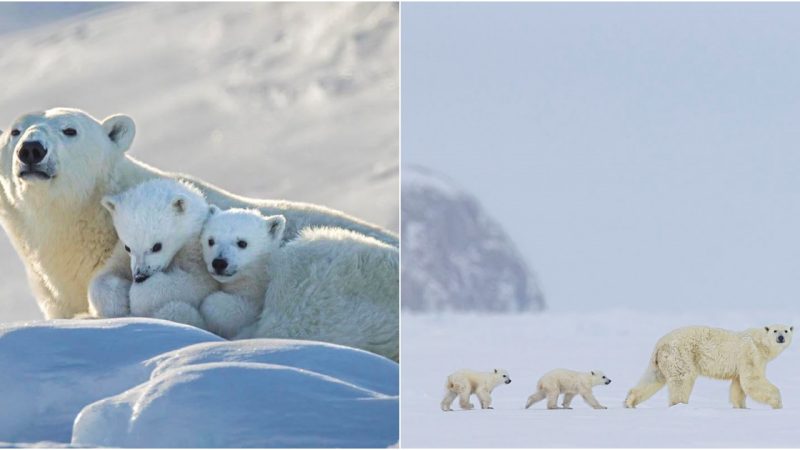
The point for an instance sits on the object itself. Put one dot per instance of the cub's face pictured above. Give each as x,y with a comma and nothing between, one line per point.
235,240
154,224
62,152
598,378
779,335
502,375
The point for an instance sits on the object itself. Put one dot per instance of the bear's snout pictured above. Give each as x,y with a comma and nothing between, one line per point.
31,153
219,265
140,278
608,381
508,381
781,339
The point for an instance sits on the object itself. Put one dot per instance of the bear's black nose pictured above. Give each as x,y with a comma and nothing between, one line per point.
781,339
140,278
219,264
31,153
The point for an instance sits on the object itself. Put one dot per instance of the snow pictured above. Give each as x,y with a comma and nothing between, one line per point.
151,383
269,100
619,342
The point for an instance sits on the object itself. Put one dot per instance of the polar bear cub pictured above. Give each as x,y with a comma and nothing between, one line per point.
741,357
465,382
237,246
570,383
159,223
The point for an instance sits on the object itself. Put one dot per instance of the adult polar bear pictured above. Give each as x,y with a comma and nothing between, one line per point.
56,166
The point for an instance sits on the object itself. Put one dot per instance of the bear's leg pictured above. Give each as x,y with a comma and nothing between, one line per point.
464,392
537,397
485,397
226,314
651,382
680,389
180,313
108,296
738,398
588,397
567,401
552,400
448,400
761,390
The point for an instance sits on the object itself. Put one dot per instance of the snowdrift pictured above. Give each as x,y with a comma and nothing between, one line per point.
151,383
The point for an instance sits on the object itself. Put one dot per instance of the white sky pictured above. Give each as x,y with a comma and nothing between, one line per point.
641,155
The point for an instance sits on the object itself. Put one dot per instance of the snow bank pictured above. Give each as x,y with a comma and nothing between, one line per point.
151,383
256,393
617,342
50,370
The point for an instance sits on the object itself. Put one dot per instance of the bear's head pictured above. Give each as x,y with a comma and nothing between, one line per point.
598,378
502,376
62,153
777,337
237,239
155,220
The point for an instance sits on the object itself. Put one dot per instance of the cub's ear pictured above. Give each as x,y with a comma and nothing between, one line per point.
495,370
213,209
276,225
179,204
109,202
766,328
593,373
791,328
120,129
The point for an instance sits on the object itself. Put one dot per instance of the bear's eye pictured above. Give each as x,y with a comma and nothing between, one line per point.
242,244
211,242
70,132
15,132
127,249
774,331
157,247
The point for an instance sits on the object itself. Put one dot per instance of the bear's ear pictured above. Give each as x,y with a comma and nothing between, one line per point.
213,209
593,373
495,370
766,328
110,203
791,328
179,204
120,129
276,225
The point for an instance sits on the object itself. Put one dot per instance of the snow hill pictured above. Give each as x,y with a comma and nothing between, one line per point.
456,257
151,383
619,342
272,100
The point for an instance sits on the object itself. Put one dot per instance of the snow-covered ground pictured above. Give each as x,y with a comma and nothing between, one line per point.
271,100
150,383
618,342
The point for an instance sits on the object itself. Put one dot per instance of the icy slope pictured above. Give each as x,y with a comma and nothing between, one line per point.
456,257
277,100
151,383
617,342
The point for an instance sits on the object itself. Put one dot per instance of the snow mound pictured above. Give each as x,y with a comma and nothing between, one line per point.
50,370
256,393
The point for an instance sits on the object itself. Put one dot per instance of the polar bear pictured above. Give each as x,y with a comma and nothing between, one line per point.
570,383
686,353
465,382
159,223
333,285
56,166
237,247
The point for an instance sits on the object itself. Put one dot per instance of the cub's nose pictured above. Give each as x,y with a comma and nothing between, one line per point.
608,381
219,264
508,381
781,339
139,278
31,153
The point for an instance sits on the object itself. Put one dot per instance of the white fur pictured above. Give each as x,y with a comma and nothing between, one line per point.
686,353
159,223
570,383
336,286
465,382
58,226
244,280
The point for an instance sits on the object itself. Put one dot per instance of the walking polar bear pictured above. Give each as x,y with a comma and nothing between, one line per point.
569,383
686,353
56,166
465,382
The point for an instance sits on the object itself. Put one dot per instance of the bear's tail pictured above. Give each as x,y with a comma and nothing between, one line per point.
650,383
